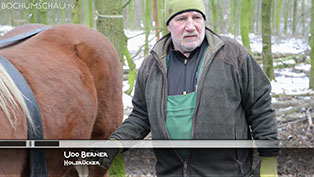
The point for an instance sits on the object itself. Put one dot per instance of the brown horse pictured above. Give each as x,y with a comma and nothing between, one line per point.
75,75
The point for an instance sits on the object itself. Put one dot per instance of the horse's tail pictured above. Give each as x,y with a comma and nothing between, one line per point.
12,100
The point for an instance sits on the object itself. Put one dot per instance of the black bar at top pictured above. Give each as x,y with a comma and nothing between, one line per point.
12,143
47,143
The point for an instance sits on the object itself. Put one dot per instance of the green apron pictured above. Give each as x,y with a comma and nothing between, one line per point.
180,110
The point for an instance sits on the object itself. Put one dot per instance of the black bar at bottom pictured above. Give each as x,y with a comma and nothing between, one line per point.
12,143
47,143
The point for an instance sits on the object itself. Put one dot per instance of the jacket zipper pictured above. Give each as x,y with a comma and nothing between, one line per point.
164,105
200,81
185,166
185,169
184,92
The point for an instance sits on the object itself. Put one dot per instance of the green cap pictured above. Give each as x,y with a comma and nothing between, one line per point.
175,7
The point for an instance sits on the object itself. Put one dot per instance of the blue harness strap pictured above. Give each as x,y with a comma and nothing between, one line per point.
38,167
20,37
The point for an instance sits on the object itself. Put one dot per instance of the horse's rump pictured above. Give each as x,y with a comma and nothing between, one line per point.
75,75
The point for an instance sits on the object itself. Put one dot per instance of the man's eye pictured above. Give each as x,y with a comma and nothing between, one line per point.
181,19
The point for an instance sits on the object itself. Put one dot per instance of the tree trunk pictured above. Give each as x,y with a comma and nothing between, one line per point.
43,18
132,70
85,12
63,16
4,16
251,22
232,16
286,17
294,24
303,17
221,24
12,17
76,12
164,26
32,12
278,8
110,23
214,15
237,18
143,12
90,11
245,24
266,39
157,28
312,48
273,8
147,26
23,12
131,14
160,17
52,19
258,18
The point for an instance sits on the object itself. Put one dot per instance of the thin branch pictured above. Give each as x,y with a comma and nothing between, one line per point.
126,4
135,35
160,29
139,51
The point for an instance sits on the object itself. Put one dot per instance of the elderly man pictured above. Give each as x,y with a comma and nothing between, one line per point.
198,85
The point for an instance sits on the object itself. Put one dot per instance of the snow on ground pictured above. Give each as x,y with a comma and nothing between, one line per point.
279,44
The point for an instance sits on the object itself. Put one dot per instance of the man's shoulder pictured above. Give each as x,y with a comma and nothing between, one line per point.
232,52
148,63
232,43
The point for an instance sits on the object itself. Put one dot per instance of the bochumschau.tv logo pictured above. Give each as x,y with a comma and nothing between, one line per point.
37,5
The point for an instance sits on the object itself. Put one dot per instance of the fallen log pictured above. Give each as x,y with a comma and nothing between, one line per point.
293,120
280,57
311,94
295,109
287,103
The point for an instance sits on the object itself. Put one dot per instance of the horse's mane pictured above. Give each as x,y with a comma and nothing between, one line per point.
11,99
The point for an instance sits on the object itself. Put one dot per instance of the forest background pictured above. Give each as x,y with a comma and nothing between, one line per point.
268,21
267,18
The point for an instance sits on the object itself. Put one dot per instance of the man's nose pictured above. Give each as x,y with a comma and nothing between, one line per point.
190,25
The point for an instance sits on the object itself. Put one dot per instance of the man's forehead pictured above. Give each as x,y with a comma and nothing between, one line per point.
192,12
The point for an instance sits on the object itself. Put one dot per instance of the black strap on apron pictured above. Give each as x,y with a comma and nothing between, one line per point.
37,161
